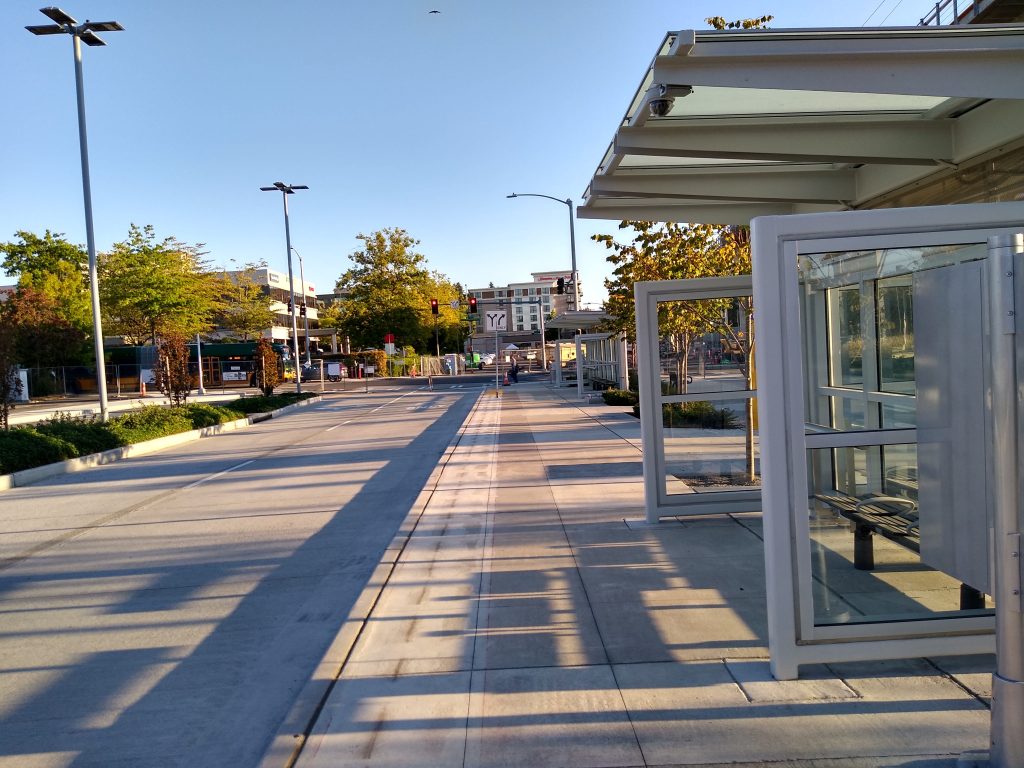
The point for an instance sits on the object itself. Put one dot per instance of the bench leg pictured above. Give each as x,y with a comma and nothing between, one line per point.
970,598
863,548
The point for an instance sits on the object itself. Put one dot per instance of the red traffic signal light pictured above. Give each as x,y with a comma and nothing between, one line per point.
433,306
472,305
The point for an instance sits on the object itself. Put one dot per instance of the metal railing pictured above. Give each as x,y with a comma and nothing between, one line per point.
950,12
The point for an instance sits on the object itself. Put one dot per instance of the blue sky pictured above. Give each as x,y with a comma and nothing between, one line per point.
394,117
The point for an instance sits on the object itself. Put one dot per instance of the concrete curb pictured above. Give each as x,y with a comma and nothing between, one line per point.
35,474
290,738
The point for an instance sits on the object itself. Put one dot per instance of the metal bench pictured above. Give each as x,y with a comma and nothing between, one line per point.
895,518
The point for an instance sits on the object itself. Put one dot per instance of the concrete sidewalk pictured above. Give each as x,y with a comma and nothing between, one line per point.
527,618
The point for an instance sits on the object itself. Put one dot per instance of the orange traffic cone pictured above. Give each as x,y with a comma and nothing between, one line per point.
505,383
142,387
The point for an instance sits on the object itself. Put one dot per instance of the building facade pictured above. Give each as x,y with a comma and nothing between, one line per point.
275,286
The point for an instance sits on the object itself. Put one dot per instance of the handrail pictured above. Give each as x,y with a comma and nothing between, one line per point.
948,12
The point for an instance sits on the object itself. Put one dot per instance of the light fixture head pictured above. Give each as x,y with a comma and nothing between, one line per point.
57,15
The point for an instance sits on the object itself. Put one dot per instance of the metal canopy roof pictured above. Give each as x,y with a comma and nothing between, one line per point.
763,122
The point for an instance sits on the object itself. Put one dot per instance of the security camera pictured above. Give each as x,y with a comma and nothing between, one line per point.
660,107
664,96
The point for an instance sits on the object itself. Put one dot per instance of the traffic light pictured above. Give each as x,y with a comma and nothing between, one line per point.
561,286
302,310
289,307
472,305
433,306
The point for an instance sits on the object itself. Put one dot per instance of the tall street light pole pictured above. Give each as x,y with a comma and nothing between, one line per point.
285,190
66,25
572,241
305,311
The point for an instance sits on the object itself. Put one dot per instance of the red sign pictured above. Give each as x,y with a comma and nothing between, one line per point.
389,338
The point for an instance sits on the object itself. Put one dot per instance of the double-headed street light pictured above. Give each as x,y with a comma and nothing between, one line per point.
285,190
572,241
66,25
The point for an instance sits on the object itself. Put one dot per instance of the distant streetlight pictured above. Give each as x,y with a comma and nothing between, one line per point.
572,242
66,25
305,312
285,190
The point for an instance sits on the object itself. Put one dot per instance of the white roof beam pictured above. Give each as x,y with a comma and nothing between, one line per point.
695,213
910,142
757,184
945,71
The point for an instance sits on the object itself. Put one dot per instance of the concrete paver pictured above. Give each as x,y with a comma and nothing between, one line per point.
527,622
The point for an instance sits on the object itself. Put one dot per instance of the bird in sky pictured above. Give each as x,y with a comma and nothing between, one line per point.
433,11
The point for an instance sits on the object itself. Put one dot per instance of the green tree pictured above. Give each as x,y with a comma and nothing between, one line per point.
388,289
42,334
246,311
10,383
673,251
150,288
172,374
38,255
51,267
268,374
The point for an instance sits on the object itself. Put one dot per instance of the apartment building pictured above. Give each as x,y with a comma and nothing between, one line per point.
527,300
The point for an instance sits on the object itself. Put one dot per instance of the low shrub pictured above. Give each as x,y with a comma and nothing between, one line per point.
700,414
149,423
87,433
205,415
263,404
619,397
697,415
24,448
68,437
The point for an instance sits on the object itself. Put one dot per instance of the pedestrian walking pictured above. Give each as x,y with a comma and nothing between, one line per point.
513,372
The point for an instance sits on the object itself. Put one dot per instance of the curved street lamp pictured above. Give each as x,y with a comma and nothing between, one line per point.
285,190
572,240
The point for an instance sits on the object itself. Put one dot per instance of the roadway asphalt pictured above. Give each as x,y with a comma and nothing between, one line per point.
166,610
524,616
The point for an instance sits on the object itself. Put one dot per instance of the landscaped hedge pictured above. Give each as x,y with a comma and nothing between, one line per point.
695,415
68,437
619,397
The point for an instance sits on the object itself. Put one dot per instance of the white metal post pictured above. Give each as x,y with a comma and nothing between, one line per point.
90,236
305,314
1008,680
199,359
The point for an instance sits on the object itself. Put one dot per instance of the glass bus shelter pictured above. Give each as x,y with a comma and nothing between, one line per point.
882,362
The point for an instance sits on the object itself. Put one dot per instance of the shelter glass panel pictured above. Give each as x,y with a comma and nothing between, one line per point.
704,346
708,447
879,553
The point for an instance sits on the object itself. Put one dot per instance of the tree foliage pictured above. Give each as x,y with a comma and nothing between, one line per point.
10,383
719,22
41,333
676,252
53,293
388,290
35,255
246,306
267,373
150,288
